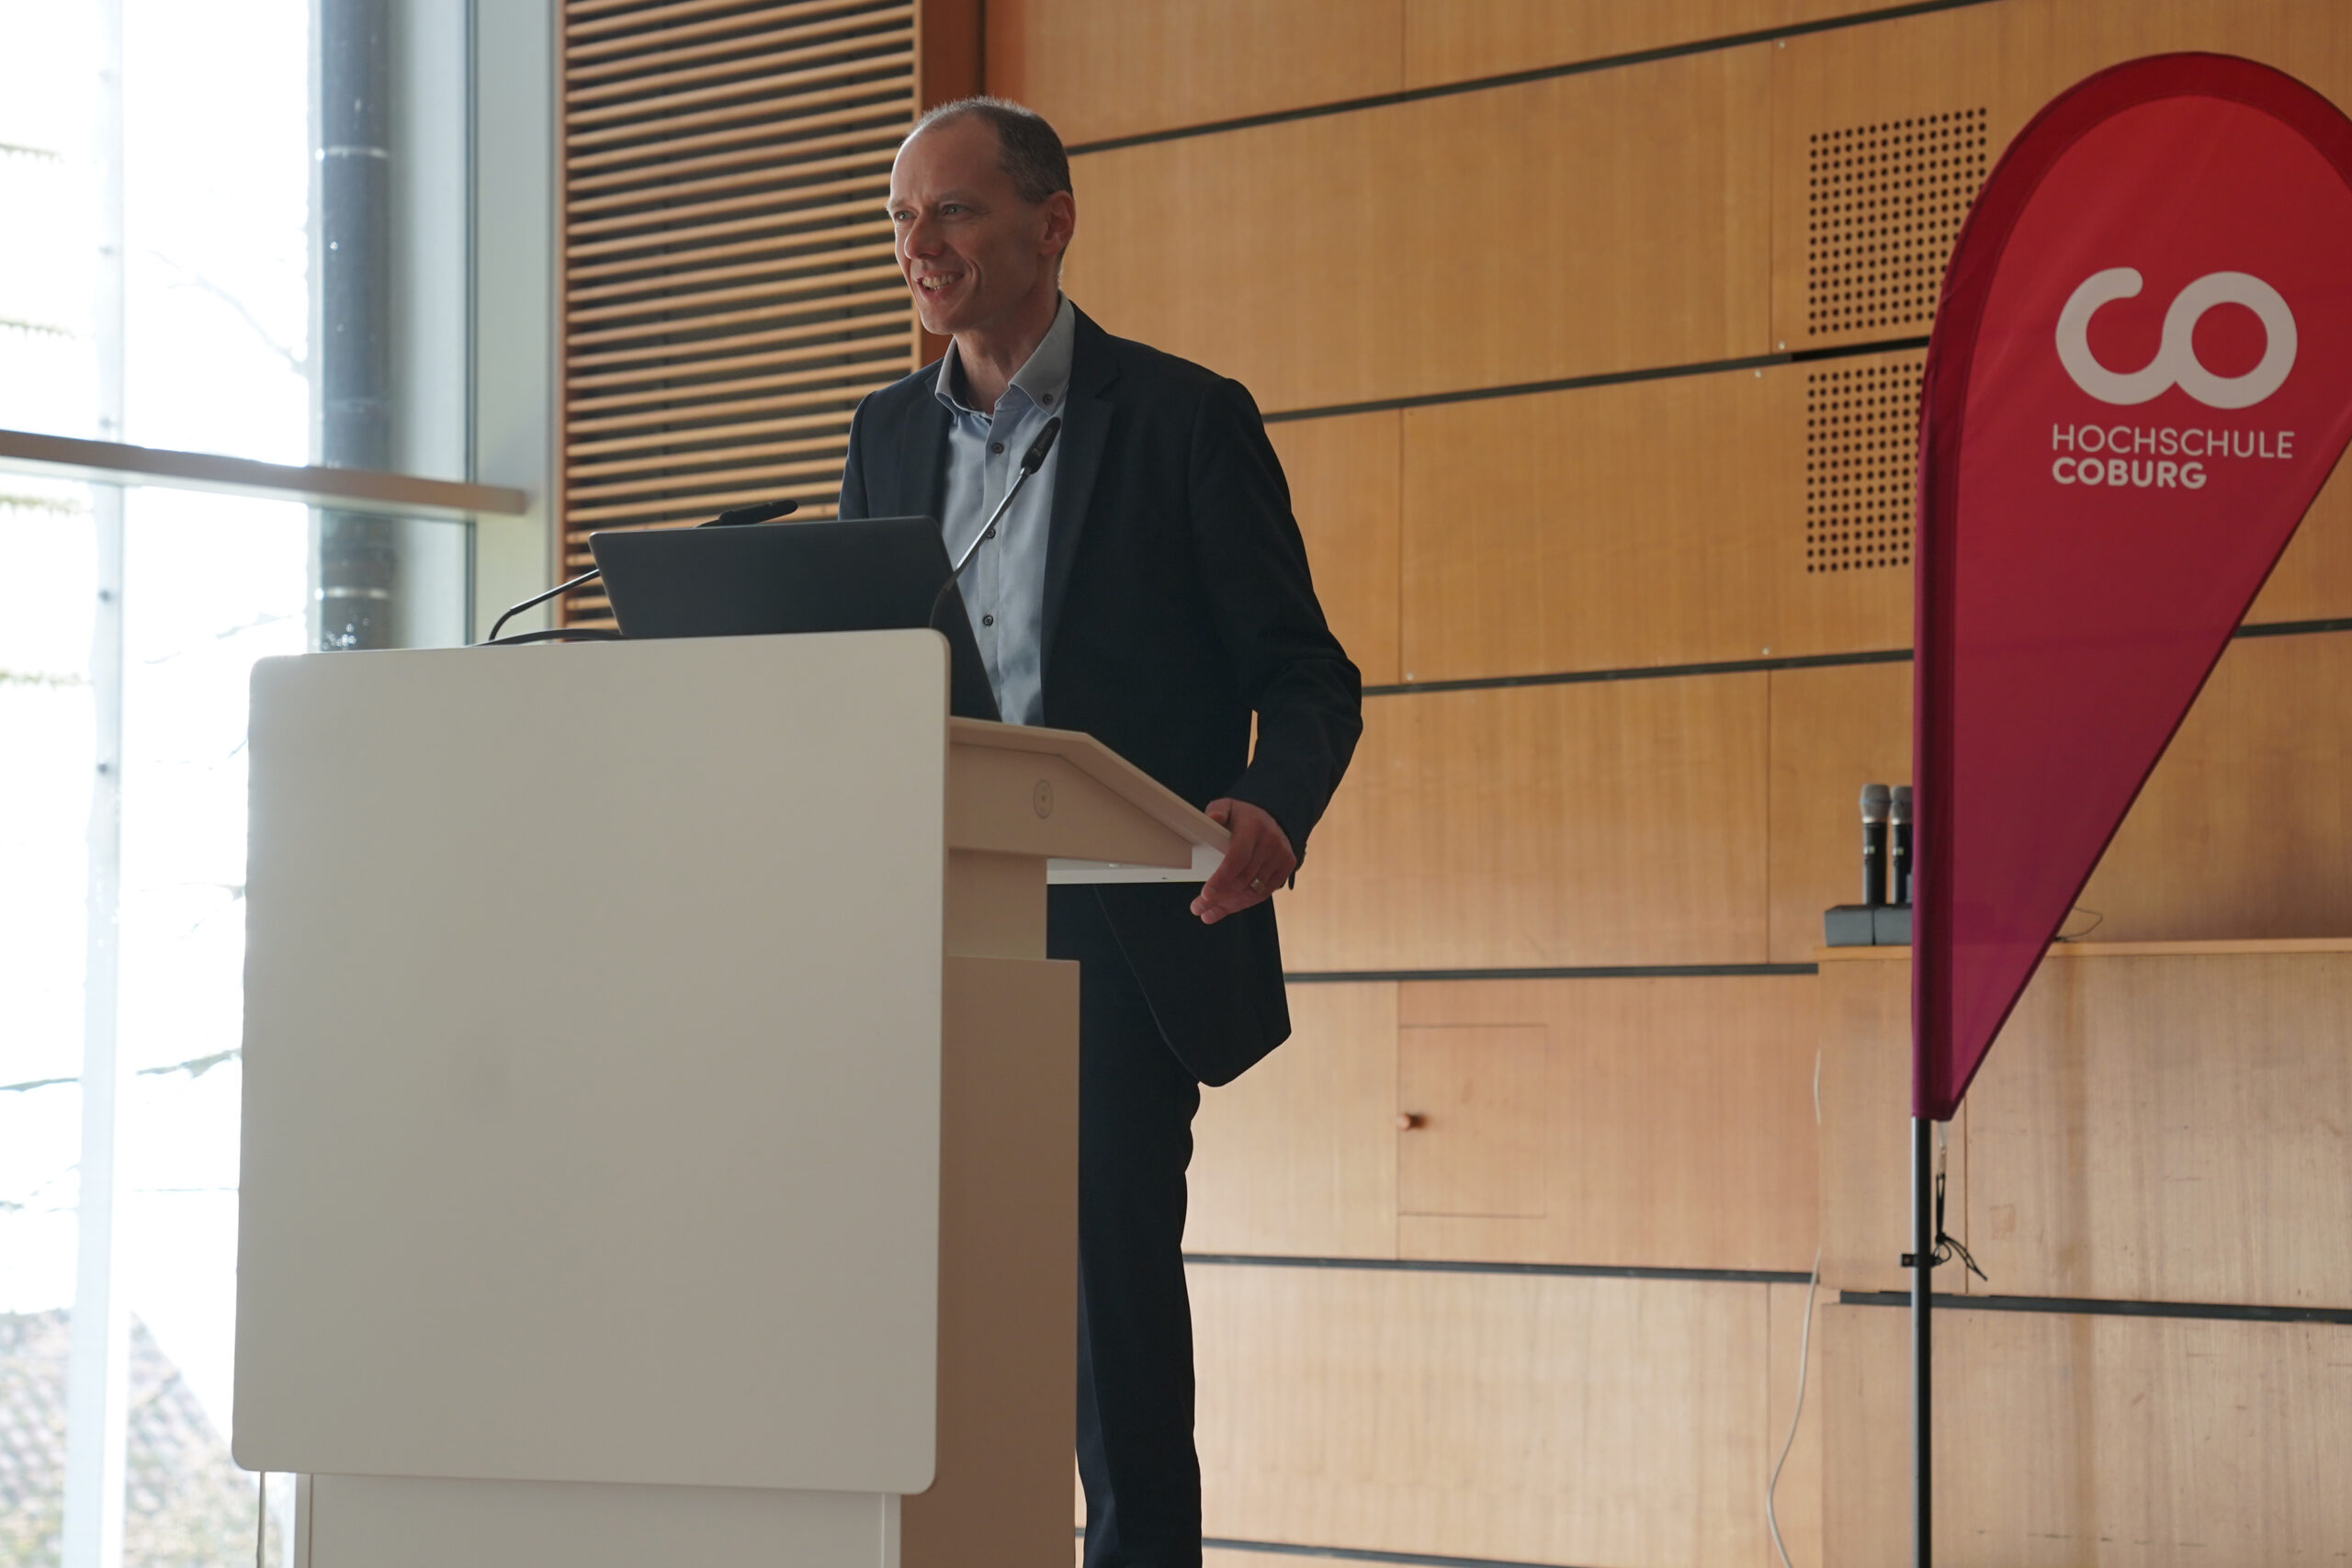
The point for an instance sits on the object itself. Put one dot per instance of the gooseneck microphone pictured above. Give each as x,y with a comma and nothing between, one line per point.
733,517
1898,859
1031,461
1877,801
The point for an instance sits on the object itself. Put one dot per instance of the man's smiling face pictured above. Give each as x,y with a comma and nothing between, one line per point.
971,250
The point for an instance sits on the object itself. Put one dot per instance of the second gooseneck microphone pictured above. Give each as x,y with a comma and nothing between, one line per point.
1031,461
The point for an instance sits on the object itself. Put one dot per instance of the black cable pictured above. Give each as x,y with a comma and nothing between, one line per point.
733,517
557,634
514,610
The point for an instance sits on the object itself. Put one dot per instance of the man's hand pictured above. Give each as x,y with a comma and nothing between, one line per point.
1257,861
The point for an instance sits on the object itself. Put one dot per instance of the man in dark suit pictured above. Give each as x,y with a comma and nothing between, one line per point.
1149,587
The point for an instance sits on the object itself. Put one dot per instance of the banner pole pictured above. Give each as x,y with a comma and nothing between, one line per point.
1922,1261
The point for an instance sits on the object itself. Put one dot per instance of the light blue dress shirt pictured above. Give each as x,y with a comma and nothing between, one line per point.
1004,588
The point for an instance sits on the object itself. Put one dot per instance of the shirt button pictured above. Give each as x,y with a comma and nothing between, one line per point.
988,620
990,534
1048,400
995,445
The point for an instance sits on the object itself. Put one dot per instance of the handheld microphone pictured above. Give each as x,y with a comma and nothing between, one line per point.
1899,852
1031,461
734,517
1877,800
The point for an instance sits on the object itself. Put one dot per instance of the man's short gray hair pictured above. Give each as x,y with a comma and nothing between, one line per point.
1028,151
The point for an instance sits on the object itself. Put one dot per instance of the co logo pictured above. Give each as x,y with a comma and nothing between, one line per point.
2175,360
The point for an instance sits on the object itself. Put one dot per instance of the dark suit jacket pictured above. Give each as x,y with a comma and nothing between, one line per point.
1177,604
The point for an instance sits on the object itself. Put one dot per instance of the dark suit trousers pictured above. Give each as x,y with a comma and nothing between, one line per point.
1135,1320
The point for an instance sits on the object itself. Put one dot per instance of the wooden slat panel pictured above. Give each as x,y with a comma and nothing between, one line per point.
1281,255
837,126
726,170
1344,488
726,43
654,274
1531,1419
2170,1129
788,67
2070,1441
2008,59
1866,1129
1611,822
1100,70
1298,1156
1675,1118
715,378
855,81
696,308
1461,40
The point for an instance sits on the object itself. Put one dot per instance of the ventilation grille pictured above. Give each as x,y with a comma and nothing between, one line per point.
728,292
1862,432
1884,205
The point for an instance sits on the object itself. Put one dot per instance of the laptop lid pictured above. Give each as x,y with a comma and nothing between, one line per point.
874,574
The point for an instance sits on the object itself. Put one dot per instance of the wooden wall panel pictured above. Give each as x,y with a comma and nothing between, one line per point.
2170,1129
2148,1127
1350,257
2245,830
1459,40
1834,730
1598,823
1532,1420
1675,1119
1865,1001
1100,70
2008,59
1345,488
2068,1441
2241,831
1478,1097
1641,524
1298,1156
1651,523
1105,72
2313,578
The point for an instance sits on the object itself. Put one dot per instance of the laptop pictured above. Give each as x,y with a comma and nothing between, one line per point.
876,574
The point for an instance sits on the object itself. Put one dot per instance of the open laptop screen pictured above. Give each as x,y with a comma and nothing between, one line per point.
875,574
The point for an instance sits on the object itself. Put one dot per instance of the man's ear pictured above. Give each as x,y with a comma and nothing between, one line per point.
1061,222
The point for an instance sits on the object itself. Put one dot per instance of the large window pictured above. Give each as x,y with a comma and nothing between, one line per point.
160,180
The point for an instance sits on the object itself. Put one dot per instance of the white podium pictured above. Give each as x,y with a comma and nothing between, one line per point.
659,1122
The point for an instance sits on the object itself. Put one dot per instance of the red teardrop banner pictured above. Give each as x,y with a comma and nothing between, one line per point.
2140,376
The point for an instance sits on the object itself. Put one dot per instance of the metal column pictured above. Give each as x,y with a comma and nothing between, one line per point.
358,552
